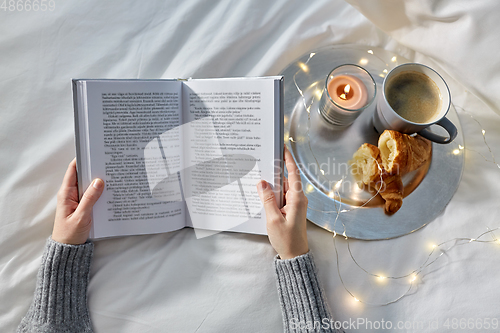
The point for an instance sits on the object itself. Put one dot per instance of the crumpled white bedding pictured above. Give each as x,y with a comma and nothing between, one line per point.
224,283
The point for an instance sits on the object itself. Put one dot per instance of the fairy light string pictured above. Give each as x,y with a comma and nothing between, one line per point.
335,194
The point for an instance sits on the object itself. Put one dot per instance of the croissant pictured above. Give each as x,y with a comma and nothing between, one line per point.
401,153
391,190
367,169
365,166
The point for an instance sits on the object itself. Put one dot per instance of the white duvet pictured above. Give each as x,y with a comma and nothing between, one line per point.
174,282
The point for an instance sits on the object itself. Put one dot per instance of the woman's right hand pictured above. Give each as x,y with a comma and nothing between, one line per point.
286,227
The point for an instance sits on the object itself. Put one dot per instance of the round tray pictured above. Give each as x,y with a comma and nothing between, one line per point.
322,153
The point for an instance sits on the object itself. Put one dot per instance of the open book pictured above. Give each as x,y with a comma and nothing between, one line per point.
178,153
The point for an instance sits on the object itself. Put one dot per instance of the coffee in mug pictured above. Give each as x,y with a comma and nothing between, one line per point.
414,96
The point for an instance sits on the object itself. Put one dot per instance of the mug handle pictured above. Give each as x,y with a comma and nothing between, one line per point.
447,125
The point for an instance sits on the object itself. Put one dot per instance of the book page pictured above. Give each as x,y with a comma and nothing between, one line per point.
228,149
136,149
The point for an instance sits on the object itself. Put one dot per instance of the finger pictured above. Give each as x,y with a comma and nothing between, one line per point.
294,181
285,185
266,195
67,197
285,189
89,198
70,179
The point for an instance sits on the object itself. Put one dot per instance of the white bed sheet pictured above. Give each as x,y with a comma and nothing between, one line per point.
224,283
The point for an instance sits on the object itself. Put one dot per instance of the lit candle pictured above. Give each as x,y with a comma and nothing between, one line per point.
348,91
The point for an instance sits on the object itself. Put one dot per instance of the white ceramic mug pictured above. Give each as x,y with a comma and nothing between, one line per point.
386,118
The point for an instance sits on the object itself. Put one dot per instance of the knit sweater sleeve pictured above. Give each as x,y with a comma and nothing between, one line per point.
60,301
303,304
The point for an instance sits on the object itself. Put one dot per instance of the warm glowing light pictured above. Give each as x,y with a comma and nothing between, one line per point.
471,240
456,152
363,61
309,188
381,75
394,59
370,51
434,246
381,278
304,67
385,71
318,93
322,171
331,194
414,277
312,54
345,92
347,88
460,147
291,139
483,131
285,119
357,300
337,185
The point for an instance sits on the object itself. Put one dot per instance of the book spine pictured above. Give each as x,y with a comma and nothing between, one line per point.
281,134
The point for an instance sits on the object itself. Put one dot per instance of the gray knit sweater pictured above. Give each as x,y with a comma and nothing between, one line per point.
60,301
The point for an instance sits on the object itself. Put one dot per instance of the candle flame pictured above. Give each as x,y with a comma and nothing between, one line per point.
347,88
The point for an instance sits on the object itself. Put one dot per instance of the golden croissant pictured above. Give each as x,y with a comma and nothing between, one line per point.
391,189
402,153
367,169
364,164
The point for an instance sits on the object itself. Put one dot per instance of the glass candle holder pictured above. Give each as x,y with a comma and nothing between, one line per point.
349,90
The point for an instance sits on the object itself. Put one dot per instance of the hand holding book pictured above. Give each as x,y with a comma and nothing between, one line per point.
73,218
286,227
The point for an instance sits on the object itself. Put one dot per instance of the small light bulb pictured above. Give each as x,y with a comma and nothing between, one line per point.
318,93
304,67
357,300
394,59
370,51
381,278
456,152
483,131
